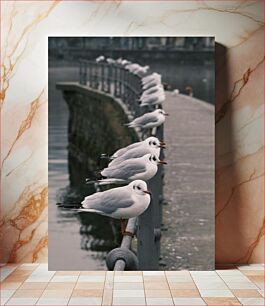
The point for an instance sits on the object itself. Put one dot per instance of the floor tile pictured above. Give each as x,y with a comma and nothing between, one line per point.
253,272
6,271
3,300
98,273
32,286
241,285
215,301
188,301
256,278
177,273
157,293
246,293
60,286
151,273
32,293
159,301
91,278
251,267
135,301
212,285
128,293
85,301
232,272
89,286
16,278
180,278
156,285
68,273
53,301
128,279
107,298
130,286
182,293
64,279
251,301
128,273
56,294
261,292
235,279
87,293
10,285
6,293
216,293
39,279
154,278
182,286
22,301
203,273
260,285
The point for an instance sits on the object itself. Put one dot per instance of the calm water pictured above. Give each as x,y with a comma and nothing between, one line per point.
81,246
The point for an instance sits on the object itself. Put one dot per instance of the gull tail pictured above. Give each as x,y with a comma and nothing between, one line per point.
91,210
71,206
107,181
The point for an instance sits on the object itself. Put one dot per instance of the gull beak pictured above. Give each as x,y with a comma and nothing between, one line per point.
162,162
162,146
148,192
166,114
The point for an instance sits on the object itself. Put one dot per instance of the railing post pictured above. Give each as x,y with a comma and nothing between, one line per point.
146,249
82,72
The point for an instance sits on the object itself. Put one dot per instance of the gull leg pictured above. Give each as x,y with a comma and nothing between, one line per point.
123,229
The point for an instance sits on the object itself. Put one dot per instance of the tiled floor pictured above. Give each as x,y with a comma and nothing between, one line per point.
33,284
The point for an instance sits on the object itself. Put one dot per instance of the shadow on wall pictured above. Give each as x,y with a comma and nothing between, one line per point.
229,226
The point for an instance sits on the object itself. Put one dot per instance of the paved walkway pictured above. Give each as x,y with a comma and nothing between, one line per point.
33,284
189,184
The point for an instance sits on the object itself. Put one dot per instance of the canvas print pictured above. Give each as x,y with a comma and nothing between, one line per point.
131,153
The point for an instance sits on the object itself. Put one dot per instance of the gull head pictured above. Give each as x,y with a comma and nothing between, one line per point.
139,187
161,112
154,142
154,159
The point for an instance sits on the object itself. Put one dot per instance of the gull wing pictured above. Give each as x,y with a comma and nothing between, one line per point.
146,118
125,170
107,202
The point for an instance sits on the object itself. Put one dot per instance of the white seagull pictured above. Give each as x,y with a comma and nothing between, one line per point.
152,90
153,99
151,77
151,146
142,168
150,141
120,203
100,58
149,120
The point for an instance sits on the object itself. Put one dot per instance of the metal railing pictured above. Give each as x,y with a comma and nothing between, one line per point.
115,80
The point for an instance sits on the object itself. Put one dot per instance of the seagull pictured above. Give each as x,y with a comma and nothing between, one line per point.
101,58
149,120
120,203
152,90
110,60
151,146
153,99
152,83
142,168
150,141
141,71
151,77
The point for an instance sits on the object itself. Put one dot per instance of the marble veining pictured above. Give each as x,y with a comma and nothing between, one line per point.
237,25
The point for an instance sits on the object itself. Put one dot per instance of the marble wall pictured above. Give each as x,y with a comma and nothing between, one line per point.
237,25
